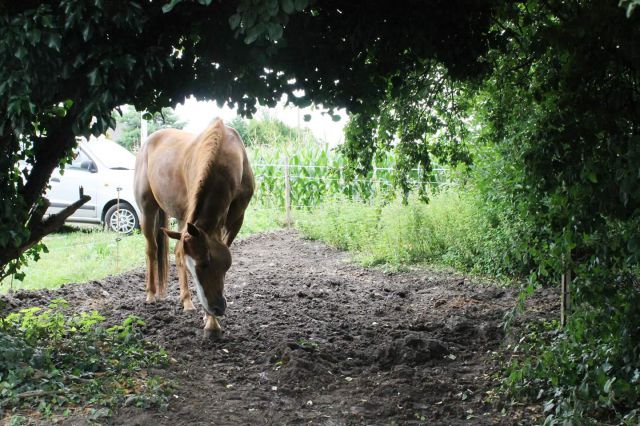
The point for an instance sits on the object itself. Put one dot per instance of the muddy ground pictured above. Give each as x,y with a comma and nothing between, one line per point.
312,338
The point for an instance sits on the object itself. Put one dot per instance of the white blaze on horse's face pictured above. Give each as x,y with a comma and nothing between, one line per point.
207,260
191,267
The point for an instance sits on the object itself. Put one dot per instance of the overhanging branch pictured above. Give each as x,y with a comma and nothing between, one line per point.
39,229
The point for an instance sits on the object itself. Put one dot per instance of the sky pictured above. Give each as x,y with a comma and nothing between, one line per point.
198,114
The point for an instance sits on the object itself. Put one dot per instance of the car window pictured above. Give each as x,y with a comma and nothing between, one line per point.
111,154
80,161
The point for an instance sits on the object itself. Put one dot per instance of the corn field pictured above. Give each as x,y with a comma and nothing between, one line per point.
317,173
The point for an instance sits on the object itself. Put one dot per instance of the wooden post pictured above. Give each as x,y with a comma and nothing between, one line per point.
565,297
287,192
118,189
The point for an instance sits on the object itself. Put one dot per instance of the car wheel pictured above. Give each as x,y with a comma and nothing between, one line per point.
123,220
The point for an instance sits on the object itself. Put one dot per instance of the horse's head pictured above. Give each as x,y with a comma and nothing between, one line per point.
208,260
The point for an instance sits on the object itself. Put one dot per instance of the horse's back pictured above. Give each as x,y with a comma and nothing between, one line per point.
170,162
159,179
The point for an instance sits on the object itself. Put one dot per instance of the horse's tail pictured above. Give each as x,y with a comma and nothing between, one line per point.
162,242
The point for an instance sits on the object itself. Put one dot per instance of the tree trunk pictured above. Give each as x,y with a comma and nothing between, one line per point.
48,150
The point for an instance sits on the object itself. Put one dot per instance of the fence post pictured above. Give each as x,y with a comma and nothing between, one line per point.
118,189
287,191
565,296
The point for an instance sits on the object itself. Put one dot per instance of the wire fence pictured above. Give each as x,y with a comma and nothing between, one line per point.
283,186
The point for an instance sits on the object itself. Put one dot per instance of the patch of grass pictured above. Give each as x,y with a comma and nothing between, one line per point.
81,254
53,363
258,219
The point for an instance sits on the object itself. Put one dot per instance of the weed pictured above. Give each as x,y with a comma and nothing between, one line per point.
56,363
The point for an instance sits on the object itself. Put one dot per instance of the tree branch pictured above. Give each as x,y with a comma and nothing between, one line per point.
40,228
55,221
59,138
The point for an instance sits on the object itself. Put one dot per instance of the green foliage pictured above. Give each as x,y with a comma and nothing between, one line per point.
254,20
271,132
318,173
54,362
128,122
630,5
587,374
561,112
416,120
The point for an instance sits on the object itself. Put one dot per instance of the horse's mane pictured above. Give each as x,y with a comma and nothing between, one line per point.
207,145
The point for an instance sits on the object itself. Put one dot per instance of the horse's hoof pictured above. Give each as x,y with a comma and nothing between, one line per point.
151,298
212,335
188,306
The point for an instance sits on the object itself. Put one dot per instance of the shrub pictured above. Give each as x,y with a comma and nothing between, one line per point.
58,363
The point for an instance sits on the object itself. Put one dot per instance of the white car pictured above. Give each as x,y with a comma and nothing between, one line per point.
104,170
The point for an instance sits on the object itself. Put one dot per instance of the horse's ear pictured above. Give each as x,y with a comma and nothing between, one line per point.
193,230
172,234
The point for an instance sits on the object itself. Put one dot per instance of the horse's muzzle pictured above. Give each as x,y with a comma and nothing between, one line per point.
220,307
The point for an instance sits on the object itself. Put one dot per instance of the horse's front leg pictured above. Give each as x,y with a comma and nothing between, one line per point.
152,261
185,294
212,329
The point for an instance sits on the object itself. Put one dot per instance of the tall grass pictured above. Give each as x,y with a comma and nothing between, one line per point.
452,230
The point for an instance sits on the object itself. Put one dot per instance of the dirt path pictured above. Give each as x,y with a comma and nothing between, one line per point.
313,338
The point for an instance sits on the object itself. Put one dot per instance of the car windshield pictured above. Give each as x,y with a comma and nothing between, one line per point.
111,154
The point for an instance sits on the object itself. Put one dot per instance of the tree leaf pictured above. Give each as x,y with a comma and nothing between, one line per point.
287,6
169,6
272,7
21,53
301,4
234,21
94,77
54,41
87,31
607,385
275,31
254,33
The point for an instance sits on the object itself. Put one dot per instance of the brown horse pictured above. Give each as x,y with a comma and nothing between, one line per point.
205,182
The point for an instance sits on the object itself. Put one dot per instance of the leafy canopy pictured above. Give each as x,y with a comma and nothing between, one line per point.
68,64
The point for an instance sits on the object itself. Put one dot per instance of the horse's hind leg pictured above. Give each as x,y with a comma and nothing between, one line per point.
185,294
162,254
148,227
